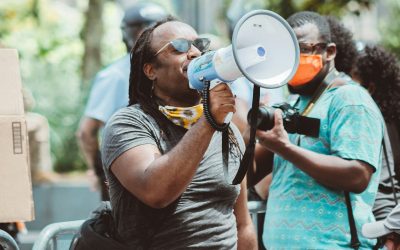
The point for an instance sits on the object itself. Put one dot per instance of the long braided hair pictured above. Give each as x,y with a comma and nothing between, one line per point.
140,86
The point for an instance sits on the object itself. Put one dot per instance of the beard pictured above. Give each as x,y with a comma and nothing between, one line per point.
310,87
307,89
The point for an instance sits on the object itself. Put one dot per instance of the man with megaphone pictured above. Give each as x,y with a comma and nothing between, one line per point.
163,159
323,187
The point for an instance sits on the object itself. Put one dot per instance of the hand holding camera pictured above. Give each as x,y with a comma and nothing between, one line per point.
273,124
293,121
275,139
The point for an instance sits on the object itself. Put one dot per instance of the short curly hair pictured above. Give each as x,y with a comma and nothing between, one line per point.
377,66
346,51
304,17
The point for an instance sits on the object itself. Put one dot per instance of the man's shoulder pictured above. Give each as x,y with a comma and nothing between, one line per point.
351,93
132,111
119,67
133,114
353,96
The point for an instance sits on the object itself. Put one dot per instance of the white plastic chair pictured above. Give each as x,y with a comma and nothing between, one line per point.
7,242
57,235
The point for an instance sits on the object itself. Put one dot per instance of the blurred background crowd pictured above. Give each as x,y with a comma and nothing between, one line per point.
63,43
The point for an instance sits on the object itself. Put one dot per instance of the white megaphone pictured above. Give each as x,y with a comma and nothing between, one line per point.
264,49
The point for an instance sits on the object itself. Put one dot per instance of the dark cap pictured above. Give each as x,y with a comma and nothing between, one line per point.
143,13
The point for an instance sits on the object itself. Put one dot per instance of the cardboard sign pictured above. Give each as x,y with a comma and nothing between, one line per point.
16,201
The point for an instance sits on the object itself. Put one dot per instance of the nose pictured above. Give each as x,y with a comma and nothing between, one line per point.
193,53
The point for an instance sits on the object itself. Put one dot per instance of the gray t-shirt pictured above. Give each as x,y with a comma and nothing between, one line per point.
201,218
384,200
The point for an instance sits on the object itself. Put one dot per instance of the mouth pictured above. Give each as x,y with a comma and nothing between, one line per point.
184,70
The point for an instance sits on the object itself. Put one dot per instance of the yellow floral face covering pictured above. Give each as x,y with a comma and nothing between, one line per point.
184,117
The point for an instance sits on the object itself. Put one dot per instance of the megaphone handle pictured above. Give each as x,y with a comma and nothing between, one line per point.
228,117
206,107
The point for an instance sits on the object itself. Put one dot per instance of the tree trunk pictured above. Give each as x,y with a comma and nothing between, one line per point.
92,35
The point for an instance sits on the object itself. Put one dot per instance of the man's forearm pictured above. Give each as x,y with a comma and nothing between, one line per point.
90,150
173,171
263,162
88,140
247,239
331,171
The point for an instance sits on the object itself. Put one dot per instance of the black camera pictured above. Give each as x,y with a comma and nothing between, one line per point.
292,120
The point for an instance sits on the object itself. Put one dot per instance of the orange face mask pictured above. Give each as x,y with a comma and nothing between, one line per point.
309,67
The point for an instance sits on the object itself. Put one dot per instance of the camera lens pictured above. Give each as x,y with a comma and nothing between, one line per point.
265,117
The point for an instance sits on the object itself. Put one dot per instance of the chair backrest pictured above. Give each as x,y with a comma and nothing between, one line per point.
60,235
7,242
57,235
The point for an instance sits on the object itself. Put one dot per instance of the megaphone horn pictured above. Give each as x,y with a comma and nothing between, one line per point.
264,49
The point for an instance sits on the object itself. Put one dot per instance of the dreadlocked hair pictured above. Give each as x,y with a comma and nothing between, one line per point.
378,66
140,86
346,51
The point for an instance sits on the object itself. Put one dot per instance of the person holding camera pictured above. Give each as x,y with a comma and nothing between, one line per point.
312,177
163,159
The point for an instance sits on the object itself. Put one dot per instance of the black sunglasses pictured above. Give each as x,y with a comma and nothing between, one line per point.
183,45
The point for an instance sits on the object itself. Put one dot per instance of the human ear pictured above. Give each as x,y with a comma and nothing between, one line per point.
330,51
371,88
148,69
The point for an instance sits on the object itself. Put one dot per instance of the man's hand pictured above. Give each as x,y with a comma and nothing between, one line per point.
222,102
276,139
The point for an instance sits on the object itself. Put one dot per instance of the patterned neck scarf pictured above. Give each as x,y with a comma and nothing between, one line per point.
183,116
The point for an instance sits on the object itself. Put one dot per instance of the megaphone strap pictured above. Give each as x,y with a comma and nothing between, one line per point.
327,83
222,128
249,153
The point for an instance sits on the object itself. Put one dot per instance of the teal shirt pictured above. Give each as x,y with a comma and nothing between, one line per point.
303,214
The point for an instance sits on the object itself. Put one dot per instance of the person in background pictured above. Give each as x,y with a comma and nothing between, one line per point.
389,229
163,159
367,66
109,91
346,53
346,50
306,204
378,71
39,142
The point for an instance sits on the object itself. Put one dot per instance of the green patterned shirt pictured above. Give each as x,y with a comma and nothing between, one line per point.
302,213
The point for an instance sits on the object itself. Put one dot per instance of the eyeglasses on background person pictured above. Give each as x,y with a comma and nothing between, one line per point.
312,48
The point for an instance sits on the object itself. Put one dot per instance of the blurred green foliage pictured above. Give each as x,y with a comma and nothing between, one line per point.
324,7
47,36
287,7
391,30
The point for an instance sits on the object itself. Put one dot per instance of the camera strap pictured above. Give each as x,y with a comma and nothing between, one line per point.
333,78
386,145
329,81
